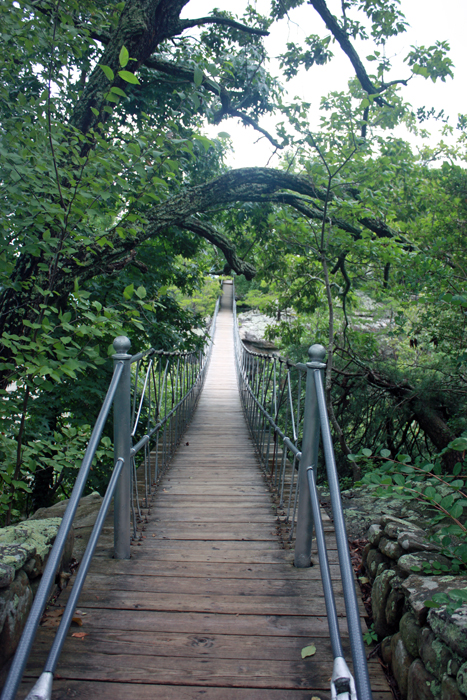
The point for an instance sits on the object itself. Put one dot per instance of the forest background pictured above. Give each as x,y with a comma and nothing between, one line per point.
118,205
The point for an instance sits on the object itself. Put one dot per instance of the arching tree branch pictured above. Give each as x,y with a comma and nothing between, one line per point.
223,21
201,228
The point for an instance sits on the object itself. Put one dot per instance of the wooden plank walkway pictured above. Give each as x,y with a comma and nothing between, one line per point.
209,606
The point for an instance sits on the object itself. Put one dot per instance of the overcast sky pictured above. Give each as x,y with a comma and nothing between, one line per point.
429,21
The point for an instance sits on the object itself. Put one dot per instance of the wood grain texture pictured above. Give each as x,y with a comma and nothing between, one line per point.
209,605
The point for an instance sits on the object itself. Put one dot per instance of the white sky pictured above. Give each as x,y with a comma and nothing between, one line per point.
429,21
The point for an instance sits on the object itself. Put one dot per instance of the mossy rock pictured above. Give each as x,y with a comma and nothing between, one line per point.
451,628
27,545
437,657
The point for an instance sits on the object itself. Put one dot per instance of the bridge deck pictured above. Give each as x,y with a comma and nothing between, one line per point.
209,605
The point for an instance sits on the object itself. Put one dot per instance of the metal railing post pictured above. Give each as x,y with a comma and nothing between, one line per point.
122,450
362,678
310,445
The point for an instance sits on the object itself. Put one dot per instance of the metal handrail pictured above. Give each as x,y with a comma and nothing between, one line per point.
166,389
184,394
271,406
272,394
48,577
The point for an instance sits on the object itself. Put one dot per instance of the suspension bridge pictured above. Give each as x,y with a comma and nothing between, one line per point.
209,604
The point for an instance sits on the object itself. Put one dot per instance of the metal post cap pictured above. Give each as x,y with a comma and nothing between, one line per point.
317,353
122,345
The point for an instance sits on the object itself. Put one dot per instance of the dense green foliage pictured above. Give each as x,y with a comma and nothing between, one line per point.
115,207
389,309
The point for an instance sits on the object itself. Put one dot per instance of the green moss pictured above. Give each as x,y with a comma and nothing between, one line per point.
19,543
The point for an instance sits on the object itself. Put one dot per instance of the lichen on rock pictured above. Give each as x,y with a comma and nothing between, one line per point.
27,545
451,627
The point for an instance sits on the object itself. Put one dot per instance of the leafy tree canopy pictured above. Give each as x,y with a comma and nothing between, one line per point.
111,195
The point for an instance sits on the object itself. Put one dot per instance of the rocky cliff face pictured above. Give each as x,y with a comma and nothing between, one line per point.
252,326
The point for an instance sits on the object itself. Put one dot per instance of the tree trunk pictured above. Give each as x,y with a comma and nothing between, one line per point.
428,417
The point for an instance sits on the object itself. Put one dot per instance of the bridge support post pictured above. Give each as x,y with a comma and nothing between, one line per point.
310,445
122,449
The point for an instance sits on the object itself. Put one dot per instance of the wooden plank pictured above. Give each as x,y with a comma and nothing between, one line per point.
224,546
89,690
188,622
186,570
241,605
210,586
101,641
82,662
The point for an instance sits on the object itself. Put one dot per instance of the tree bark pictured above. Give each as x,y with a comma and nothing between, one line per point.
428,417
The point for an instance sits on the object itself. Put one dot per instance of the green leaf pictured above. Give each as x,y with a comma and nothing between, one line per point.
95,111
129,291
124,56
198,76
420,70
308,651
141,292
109,74
366,452
118,91
385,453
459,444
128,77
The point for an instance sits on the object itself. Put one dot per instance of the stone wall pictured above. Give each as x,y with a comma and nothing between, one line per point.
425,648
24,550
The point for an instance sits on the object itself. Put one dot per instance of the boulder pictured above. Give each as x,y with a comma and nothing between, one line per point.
401,662
361,507
15,603
253,325
452,629
384,566
450,690
394,607
421,684
416,542
387,519
390,548
462,678
386,651
410,629
83,523
373,561
379,596
374,534
436,656
394,527
418,589
407,561
27,545
366,550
